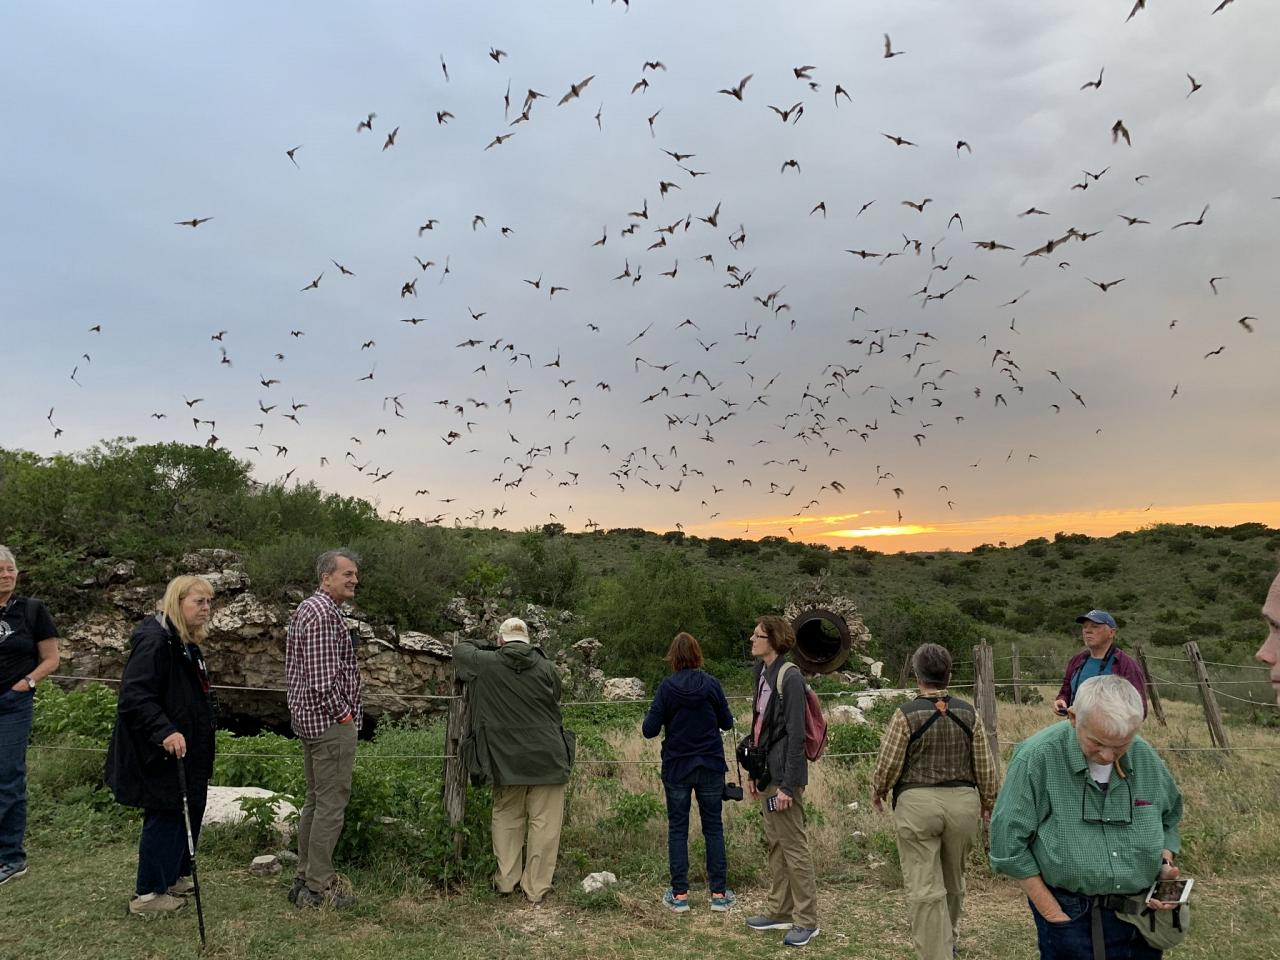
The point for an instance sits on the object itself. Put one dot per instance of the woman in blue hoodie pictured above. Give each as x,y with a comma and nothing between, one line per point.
690,705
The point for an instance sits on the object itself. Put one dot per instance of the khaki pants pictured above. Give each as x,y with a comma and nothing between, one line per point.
936,828
793,886
538,811
327,762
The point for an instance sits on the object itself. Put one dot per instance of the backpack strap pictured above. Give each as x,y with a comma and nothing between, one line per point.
941,708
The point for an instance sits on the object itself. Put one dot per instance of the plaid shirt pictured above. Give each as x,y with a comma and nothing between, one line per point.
320,667
893,758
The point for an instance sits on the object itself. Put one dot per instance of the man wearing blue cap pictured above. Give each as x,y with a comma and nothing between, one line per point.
1099,657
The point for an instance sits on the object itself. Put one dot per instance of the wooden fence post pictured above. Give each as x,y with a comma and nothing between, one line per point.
1017,676
1152,691
455,770
1212,716
984,696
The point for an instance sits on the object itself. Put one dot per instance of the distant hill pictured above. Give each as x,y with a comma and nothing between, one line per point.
63,516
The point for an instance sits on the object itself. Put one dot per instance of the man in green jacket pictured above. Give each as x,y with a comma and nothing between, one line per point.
517,741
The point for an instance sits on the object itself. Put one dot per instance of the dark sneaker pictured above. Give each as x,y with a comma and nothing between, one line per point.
155,904
182,888
799,936
329,898
768,923
298,886
721,902
12,871
680,904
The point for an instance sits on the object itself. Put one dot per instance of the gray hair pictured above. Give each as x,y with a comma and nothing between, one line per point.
6,556
931,664
327,562
1112,702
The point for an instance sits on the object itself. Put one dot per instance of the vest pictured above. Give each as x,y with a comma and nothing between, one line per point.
940,751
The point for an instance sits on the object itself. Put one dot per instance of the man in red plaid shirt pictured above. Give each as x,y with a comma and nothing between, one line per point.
324,710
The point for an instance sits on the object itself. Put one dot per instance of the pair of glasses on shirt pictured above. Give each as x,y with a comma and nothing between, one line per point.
1094,805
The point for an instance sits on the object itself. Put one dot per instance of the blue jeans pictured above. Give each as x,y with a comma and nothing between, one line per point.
1073,940
163,855
15,729
708,785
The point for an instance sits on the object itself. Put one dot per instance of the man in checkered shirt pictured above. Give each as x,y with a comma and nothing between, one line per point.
325,711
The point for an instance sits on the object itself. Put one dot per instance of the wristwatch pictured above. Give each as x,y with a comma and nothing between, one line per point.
31,684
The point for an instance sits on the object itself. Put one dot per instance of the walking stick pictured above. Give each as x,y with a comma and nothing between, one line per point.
191,849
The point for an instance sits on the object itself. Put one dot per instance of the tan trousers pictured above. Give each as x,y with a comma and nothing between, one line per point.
936,828
527,819
327,764
793,885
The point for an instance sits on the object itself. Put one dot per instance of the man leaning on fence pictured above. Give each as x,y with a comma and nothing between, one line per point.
1086,822
323,683
935,762
516,740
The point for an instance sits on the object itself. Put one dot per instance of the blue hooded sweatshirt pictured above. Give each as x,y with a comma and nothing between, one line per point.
691,705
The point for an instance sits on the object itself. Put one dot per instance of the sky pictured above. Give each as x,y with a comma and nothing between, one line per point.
932,394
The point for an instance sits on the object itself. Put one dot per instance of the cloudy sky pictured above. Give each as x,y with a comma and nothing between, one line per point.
948,411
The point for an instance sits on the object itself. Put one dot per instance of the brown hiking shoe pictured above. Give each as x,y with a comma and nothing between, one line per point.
155,904
182,888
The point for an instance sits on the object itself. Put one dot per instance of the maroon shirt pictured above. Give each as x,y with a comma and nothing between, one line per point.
1122,665
320,669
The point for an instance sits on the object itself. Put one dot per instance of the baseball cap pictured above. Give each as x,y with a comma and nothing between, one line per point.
514,629
1099,616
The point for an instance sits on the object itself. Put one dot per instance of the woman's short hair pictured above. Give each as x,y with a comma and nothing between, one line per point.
781,637
931,664
6,556
171,606
684,653
1111,704
327,562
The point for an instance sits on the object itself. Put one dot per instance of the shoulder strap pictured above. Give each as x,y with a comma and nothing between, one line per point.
782,672
941,709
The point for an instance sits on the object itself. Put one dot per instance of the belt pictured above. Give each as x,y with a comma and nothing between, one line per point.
1117,903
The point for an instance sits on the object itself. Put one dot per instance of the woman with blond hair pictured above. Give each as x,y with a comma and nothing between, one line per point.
691,706
165,717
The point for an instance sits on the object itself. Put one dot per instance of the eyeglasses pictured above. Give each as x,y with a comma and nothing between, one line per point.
1096,804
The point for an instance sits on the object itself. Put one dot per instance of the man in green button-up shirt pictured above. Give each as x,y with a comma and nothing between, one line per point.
1088,809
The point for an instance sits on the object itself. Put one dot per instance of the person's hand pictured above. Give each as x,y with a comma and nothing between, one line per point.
877,804
1058,917
1060,705
21,686
346,718
986,816
751,787
782,801
175,744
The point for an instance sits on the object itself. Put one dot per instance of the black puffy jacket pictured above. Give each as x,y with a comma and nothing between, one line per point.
164,690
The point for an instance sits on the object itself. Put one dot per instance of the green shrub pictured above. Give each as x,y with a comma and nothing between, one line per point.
88,713
852,738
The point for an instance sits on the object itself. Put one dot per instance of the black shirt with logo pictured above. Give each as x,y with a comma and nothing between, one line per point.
24,622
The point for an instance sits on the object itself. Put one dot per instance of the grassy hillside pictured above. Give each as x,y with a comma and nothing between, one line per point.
634,588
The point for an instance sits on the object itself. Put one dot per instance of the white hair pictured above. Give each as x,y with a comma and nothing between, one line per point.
1113,704
6,556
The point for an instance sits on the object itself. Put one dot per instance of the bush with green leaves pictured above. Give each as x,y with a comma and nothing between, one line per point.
541,568
636,613
88,714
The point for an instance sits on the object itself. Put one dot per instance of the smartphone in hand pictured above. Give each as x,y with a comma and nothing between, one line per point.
1171,891
771,804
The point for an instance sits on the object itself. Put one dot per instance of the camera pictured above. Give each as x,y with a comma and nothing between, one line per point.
732,791
755,759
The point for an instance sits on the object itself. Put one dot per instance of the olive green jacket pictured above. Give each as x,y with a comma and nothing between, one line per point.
515,732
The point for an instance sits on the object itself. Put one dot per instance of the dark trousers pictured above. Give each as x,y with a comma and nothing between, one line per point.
1072,940
15,730
708,786
163,855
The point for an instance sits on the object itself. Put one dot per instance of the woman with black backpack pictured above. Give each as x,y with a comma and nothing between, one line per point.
691,706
